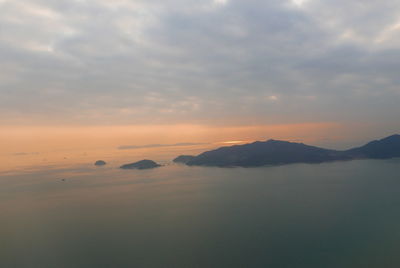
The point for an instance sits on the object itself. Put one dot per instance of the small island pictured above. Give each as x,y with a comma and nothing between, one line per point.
143,164
100,163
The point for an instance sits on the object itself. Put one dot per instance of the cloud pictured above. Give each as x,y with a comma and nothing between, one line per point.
129,147
175,61
24,153
220,2
273,98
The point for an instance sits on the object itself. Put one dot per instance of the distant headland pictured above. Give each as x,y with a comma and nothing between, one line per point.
275,152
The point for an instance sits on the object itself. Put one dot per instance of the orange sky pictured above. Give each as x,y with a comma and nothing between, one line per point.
43,145
23,139
16,139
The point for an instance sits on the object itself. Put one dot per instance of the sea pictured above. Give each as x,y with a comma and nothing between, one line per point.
73,214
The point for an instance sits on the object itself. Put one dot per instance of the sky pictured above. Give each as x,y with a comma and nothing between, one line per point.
296,65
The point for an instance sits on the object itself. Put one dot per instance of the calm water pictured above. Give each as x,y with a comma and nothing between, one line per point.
344,214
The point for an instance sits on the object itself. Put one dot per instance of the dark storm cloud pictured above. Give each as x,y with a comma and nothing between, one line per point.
117,62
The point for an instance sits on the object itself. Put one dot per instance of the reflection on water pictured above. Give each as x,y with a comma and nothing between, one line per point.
342,214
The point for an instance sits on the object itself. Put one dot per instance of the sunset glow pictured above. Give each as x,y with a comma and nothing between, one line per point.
42,145
211,133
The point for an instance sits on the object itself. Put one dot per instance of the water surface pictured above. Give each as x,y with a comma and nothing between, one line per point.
342,214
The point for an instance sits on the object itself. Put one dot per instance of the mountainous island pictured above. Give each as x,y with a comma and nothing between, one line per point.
275,152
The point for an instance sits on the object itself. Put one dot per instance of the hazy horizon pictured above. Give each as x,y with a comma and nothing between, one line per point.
33,148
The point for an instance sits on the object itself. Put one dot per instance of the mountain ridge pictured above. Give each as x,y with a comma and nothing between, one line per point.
276,152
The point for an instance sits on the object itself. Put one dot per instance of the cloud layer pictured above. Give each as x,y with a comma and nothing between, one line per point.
181,144
206,62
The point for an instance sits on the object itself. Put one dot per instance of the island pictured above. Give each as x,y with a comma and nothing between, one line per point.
388,147
183,159
276,152
143,164
100,163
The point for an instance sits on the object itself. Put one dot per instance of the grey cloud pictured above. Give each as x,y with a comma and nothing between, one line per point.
176,61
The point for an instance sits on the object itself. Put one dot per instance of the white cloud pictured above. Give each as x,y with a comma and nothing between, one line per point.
299,3
220,2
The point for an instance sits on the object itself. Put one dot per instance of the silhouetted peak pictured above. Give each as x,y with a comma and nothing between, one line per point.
276,141
389,139
395,137
183,159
